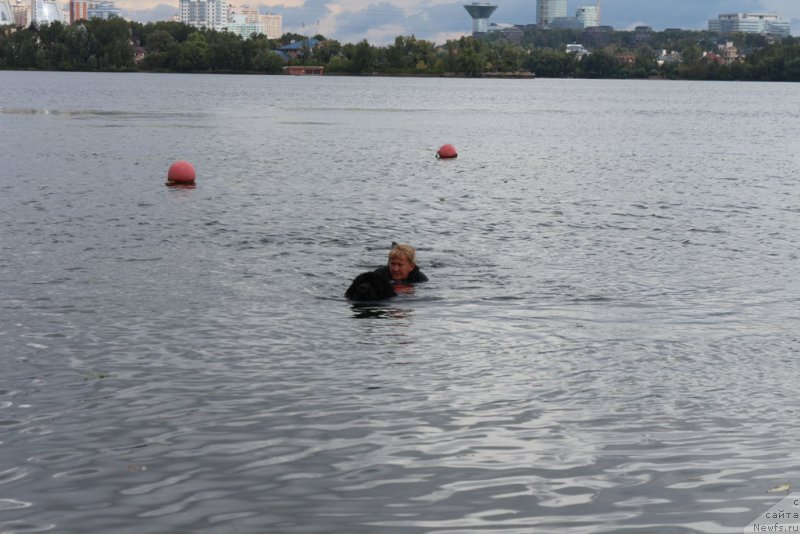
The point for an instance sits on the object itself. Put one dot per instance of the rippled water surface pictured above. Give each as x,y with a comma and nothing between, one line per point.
609,340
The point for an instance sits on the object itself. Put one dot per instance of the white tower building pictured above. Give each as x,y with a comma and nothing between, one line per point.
547,10
46,11
212,14
589,16
768,23
480,14
22,13
6,14
273,25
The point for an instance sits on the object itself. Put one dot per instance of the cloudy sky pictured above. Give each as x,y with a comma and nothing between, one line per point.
380,21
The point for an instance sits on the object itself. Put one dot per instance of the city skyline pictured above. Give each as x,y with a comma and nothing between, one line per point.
547,10
440,20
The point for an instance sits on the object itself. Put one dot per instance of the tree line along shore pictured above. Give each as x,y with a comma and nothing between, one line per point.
118,45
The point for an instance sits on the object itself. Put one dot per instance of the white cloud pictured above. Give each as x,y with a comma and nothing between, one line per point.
277,4
443,37
143,5
385,34
631,26
788,8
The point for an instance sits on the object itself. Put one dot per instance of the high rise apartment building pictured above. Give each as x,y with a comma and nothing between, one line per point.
22,13
46,11
238,25
211,14
767,23
588,16
6,14
251,14
78,10
104,9
243,20
273,25
85,10
547,10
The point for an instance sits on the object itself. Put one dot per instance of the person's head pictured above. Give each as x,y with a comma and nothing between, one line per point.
402,259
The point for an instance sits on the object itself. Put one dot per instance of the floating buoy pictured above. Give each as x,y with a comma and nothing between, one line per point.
447,151
180,173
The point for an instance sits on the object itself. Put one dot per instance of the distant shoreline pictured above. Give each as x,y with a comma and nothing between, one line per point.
522,75
486,75
450,75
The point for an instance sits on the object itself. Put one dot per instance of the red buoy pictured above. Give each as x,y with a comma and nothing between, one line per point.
447,151
180,173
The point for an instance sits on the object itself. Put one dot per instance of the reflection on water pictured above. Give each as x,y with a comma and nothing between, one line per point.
373,311
608,341
78,113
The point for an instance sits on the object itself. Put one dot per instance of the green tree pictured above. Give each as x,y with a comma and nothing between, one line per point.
254,51
551,64
178,30
466,56
261,57
600,64
22,51
339,64
160,50
80,47
397,55
226,52
504,57
113,38
108,45
327,50
363,57
49,35
791,69
192,54
288,38
645,64
270,62
119,55
691,53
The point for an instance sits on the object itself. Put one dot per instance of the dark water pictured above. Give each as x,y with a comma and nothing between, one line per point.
609,341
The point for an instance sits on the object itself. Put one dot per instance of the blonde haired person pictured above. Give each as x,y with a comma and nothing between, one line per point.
402,266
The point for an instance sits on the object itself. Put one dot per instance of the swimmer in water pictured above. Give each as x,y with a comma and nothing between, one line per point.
402,267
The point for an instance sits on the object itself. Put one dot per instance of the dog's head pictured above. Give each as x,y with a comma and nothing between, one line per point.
369,286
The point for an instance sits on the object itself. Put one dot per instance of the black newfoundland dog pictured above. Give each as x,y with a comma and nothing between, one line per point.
369,287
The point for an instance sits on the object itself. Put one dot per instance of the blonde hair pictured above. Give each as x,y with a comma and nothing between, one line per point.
404,250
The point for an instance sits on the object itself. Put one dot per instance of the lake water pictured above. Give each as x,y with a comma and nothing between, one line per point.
609,341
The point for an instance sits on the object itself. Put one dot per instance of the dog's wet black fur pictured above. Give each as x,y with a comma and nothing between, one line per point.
369,287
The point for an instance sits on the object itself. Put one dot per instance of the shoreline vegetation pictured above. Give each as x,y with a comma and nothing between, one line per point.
118,45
